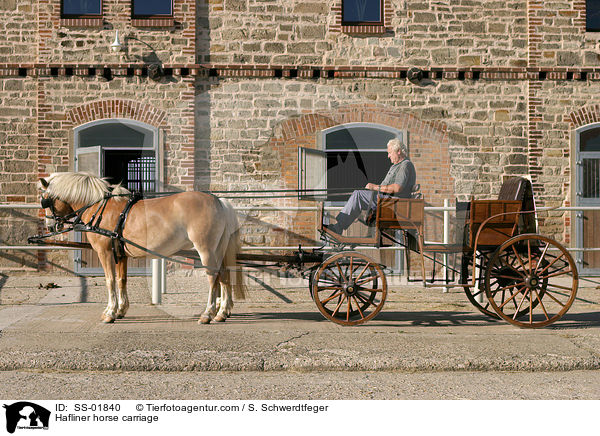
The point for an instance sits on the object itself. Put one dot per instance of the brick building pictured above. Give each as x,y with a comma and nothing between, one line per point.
222,95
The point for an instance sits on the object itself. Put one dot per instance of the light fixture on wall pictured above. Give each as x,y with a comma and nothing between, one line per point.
116,46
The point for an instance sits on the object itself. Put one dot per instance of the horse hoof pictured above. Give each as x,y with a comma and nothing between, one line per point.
204,320
220,318
107,320
119,316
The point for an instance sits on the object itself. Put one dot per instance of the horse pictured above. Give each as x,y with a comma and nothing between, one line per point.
163,225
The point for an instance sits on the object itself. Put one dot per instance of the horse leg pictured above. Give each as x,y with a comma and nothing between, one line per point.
212,275
226,301
123,300
108,265
211,304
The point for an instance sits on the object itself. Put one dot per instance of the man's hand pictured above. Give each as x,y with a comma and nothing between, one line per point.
372,187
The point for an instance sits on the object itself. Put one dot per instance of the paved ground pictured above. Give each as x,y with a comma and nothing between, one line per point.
424,344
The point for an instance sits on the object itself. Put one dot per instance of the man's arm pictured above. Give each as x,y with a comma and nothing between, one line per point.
385,189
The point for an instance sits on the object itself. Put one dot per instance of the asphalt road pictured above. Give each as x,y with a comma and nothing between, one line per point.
425,344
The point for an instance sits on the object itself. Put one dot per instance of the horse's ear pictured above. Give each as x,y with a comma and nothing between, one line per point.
44,183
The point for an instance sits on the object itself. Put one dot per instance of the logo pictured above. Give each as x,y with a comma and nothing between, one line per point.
25,415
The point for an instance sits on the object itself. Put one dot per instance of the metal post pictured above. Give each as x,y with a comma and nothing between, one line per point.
446,240
163,275
156,281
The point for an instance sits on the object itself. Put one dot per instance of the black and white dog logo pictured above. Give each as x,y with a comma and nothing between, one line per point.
25,415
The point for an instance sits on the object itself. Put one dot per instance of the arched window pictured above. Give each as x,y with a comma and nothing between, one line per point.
122,150
349,156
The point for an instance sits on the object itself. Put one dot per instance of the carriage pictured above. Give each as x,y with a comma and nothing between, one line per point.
507,269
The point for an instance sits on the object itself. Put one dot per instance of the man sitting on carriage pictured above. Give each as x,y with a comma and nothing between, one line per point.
398,182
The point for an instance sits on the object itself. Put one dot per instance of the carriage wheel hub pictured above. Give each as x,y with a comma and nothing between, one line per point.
532,282
350,288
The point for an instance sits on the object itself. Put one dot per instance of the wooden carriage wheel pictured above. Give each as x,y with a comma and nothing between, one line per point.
476,294
349,288
531,281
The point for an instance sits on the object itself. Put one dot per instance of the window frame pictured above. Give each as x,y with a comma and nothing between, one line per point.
135,16
322,152
63,15
381,21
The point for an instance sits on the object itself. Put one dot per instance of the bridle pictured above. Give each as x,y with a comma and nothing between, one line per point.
60,221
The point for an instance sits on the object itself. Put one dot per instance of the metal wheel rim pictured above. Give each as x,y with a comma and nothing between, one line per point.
538,271
349,288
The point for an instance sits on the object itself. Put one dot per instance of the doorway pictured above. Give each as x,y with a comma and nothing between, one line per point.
123,151
587,188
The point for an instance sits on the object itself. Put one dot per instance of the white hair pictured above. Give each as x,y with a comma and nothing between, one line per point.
398,146
77,188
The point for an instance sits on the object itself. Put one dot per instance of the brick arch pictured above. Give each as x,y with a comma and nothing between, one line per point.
428,143
105,109
428,146
584,116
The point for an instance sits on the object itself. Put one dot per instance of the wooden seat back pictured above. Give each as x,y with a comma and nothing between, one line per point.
503,226
400,213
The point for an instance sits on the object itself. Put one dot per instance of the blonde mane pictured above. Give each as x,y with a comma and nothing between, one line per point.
81,188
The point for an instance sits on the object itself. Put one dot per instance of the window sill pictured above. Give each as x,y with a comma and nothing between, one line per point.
153,22
81,22
375,29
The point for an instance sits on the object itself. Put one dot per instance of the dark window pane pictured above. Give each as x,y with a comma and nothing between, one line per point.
361,11
353,170
363,138
82,7
592,15
589,140
152,7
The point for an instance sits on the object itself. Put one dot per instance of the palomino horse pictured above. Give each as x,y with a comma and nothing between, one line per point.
164,225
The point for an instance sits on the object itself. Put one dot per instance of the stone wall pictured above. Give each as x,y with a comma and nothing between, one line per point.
419,33
506,84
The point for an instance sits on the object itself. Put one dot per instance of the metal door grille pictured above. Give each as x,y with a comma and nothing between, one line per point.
591,178
141,174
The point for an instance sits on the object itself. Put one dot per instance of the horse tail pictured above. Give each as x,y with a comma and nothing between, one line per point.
233,247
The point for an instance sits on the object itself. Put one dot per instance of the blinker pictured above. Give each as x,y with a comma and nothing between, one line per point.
46,203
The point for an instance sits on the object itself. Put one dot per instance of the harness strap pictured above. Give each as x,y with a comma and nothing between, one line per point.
118,246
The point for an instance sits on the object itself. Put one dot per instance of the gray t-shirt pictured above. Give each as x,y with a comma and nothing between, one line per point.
404,174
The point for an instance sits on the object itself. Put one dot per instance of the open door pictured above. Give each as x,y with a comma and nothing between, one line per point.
312,174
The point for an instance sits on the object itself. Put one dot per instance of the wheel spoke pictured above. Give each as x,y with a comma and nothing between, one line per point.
551,263
519,308
349,309
512,267
368,279
509,286
541,304
542,257
339,305
518,257
549,294
529,255
362,272
331,297
556,274
566,288
328,288
362,315
510,298
341,273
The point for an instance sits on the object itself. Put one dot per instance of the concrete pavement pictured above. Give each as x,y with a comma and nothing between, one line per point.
53,323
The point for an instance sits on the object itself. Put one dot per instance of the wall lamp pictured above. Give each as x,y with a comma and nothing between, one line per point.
155,69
